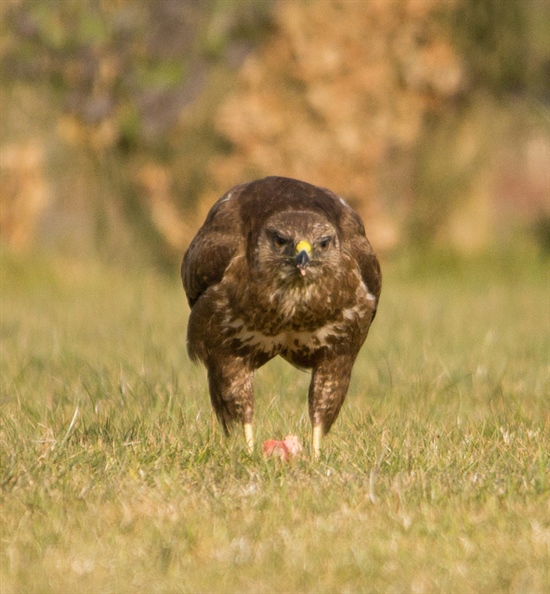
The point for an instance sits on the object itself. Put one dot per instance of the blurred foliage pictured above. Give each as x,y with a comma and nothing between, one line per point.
131,63
505,47
506,44
123,73
133,88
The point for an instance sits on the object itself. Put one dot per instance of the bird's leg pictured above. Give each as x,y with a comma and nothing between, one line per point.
232,394
327,391
249,437
316,440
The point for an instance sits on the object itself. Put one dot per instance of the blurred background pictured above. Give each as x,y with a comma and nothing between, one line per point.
123,120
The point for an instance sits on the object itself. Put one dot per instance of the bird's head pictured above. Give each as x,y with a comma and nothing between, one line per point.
298,247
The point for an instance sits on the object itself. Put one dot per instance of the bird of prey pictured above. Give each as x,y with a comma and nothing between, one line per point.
279,267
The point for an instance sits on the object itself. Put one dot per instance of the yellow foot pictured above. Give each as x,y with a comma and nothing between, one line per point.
249,437
316,441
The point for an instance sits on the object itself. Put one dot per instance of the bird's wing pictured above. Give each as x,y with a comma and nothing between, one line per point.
370,269
213,248
362,251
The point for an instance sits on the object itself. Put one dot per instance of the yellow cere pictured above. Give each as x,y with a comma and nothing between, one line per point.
303,246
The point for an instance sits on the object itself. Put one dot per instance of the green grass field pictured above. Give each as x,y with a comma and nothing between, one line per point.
435,478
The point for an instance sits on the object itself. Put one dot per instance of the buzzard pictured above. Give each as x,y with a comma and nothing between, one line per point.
280,267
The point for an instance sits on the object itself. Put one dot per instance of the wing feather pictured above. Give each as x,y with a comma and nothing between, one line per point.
212,249
353,231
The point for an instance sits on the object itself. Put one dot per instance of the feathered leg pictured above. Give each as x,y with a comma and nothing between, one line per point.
327,392
230,380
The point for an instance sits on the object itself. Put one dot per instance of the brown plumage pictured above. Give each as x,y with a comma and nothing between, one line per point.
280,267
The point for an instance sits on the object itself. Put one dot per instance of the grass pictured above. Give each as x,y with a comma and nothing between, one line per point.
435,477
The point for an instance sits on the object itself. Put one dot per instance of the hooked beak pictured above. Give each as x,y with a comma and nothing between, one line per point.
303,252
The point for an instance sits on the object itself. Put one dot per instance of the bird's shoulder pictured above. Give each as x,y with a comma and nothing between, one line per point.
213,247
361,250
354,238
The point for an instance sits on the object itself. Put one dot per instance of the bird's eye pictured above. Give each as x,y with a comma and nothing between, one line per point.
278,241
325,242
